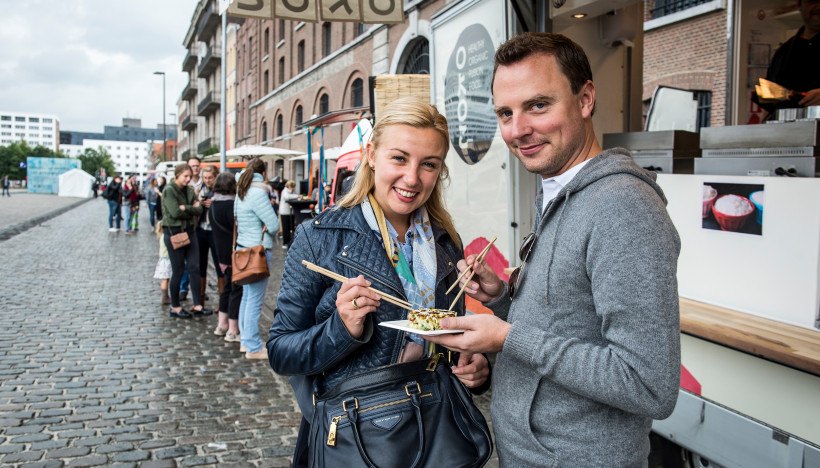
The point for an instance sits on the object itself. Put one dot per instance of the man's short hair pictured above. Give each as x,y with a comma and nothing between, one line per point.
194,157
570,56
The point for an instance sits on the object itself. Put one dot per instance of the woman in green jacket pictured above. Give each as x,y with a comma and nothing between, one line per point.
181,211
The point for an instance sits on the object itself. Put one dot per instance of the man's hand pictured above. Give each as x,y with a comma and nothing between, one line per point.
812,98
485,284
472,369
207,203
181,207
483,333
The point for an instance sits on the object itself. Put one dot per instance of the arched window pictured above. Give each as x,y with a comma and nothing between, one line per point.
300,56
326,40
266,43
281,30
264,132
416,58
279,125
298,119
266,81
357,93
324,104
281,70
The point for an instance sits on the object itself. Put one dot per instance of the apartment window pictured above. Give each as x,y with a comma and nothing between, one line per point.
5,117
266,39
324,104
6,125
20,127
281,30
265,81
300,56
298,118
704,99
326,40
279,125
19,119
248,115
357,93
47,120
281,70
34,127
667,7
264,132
34,119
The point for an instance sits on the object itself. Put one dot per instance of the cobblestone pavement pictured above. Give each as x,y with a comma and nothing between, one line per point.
23,206
94,372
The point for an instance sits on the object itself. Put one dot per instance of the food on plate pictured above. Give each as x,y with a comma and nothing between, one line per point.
428,319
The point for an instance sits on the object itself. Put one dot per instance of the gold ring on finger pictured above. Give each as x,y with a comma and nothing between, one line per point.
355,306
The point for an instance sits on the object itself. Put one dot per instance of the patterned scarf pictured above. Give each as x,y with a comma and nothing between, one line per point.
418,281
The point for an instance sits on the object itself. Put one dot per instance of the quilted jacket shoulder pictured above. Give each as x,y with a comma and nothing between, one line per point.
307,336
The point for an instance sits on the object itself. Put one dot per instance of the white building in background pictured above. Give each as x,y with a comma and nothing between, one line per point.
129,157
34,129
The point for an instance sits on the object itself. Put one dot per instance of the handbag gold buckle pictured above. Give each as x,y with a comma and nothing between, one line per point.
408,386
355,402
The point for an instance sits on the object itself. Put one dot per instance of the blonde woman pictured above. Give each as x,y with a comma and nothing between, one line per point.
325,331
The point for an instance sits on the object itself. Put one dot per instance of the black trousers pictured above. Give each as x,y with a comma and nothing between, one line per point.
206,244
287,229
300,454
180,258
231,296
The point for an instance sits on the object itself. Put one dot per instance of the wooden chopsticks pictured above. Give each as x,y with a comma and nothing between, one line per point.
479,258
330,274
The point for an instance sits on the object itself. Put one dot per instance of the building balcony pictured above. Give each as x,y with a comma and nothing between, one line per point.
189,92
209,62
209,104
205,144
189,62
185,155
208,23
188,123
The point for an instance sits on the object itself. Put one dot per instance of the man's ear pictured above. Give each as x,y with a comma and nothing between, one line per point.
586,99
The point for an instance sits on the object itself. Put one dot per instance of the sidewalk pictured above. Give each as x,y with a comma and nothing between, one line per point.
23,210
94,372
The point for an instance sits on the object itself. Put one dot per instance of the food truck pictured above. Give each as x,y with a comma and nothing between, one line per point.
748,275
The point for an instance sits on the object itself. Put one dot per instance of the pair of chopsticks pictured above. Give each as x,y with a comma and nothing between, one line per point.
479,258
330,274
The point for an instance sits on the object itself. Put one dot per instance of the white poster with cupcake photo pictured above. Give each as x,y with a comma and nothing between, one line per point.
733,207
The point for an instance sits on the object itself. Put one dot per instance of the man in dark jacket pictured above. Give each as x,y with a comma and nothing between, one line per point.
113,193
587,328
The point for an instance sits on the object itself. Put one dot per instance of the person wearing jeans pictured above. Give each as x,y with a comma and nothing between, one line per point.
113,193
256,222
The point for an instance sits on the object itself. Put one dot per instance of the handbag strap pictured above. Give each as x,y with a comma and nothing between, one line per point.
415,400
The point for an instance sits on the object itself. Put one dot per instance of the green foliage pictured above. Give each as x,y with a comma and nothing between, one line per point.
93,160
210,151
12,155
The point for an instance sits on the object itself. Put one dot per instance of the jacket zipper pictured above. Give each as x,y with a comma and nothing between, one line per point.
334,422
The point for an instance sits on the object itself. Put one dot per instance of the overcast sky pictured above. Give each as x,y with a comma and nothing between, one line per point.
91,62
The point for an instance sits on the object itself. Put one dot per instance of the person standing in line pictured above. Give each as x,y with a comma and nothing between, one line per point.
113,193
131,197
196,182
222,223
7,185
256,224
205,234
587,330
286,212
181,210
163,270
151,200
158,191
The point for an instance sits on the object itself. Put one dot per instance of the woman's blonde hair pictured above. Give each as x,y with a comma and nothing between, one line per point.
158,228
416,113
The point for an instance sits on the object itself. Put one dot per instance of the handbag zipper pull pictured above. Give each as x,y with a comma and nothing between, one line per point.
434,362
331,436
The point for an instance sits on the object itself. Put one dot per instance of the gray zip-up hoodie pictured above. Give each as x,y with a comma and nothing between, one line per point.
593,354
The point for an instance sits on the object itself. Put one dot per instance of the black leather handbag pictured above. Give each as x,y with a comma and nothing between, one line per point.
414,414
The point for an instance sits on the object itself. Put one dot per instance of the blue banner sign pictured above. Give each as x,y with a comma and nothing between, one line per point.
44,173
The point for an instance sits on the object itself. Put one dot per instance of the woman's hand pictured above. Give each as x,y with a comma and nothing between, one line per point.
485,284
472,369
196,204
181,207
354,301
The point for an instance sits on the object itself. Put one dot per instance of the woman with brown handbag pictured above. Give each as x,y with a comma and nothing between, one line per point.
325,333
181,211
255,221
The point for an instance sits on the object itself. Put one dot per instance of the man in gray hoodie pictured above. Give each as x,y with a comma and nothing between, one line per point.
587,328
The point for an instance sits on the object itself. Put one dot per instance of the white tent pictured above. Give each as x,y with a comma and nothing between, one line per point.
254,150
75,183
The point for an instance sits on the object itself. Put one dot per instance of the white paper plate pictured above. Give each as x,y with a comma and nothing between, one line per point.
404,325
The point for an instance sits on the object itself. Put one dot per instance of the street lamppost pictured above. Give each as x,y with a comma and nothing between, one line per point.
164,148
176,141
